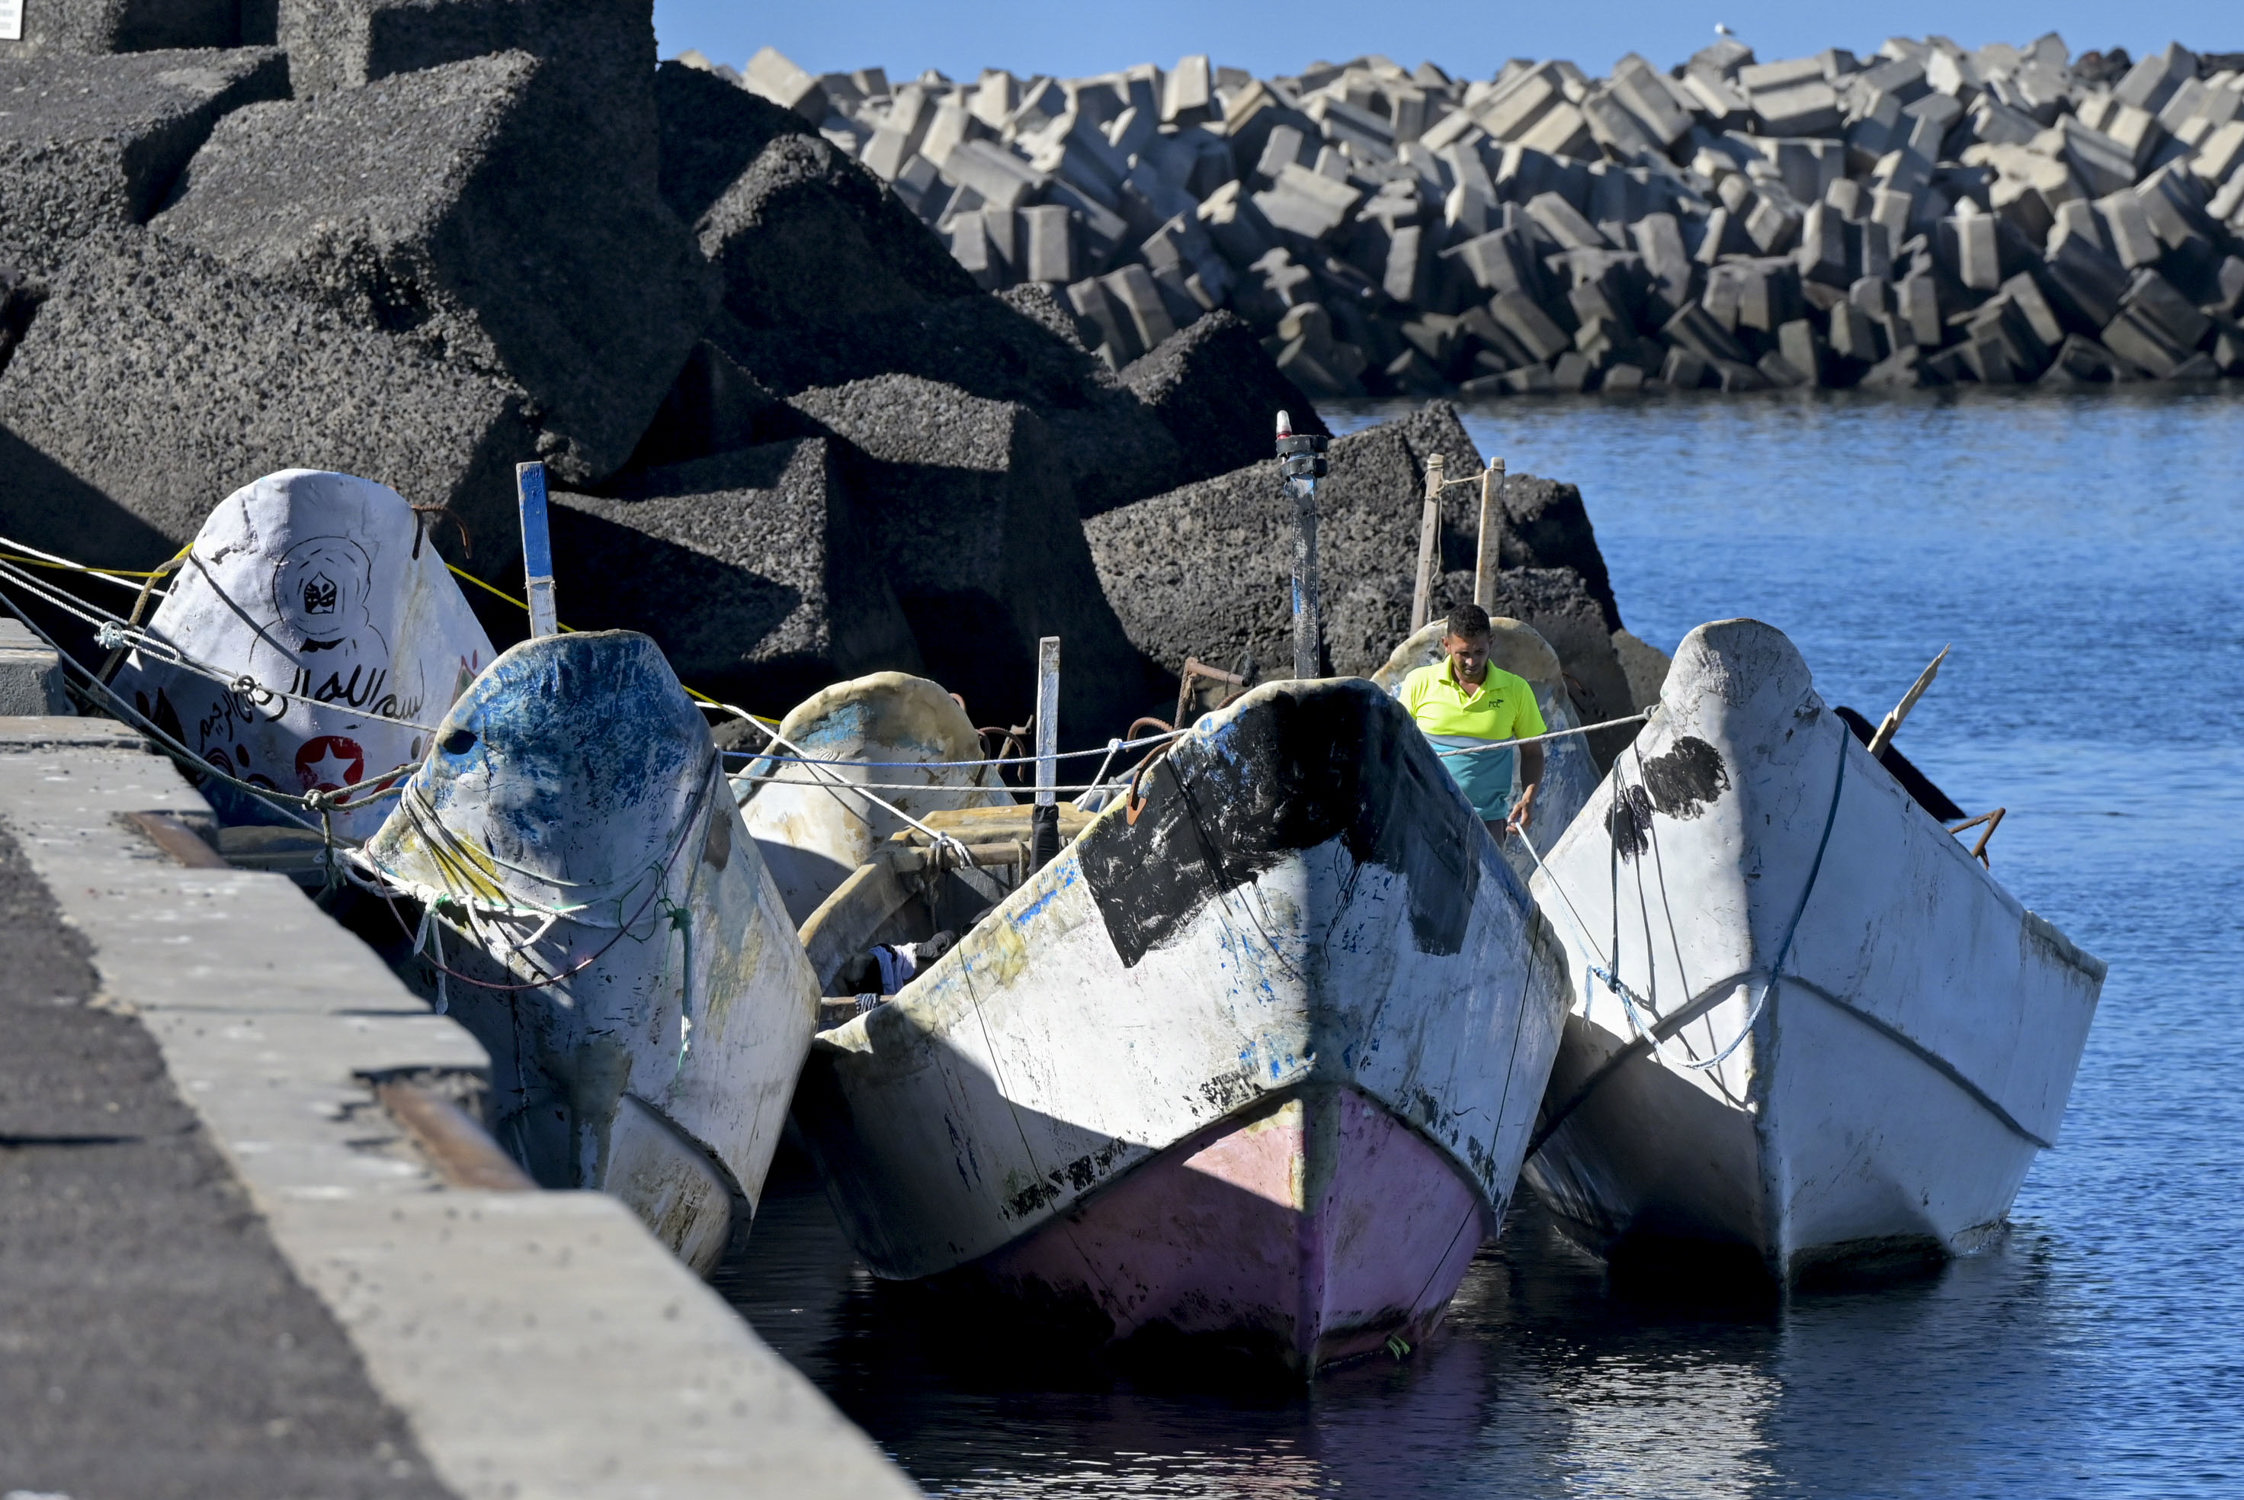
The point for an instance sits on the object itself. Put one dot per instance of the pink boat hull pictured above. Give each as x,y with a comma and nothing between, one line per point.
1315,1232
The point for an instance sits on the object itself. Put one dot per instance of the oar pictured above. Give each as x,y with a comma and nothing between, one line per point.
1892,724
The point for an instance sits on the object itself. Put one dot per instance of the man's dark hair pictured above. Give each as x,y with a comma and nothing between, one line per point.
1467,621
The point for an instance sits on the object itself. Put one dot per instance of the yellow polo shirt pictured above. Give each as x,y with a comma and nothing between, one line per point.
1460,721
1501,708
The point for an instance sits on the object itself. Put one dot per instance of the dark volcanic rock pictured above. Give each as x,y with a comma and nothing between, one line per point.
970,511
1219,393
1206,570
1017,347
153,383
92,144
88,27
432,204
711,131
752,571
1545,526
805,238
828,280
714,407
607,45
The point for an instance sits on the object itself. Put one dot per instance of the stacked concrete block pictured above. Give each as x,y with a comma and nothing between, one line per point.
973,524
153,382
1394,201
97,27
92,144
1204,570
420,204
752,569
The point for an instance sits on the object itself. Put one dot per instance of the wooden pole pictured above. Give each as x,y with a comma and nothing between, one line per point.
1892,724
1044,820
1429,547
537,550
1488,561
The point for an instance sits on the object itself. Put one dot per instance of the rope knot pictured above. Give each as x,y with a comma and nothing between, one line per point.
113,636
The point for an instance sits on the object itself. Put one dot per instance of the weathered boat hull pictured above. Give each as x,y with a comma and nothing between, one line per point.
1306,1235
320,585
813,831
1177,1075
1885,1095
629,962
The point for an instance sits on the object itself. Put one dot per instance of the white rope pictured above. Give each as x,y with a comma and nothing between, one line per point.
112,632
1537,739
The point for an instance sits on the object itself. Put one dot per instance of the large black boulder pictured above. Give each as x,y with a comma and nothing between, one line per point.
152,383
1216,389
480,210
752,570
1205,571
968,505
93,27
94,144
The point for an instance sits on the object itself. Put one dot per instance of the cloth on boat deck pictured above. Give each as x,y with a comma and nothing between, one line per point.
1462,719
891,966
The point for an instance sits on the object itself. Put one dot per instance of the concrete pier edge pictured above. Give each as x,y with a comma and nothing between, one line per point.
538,1343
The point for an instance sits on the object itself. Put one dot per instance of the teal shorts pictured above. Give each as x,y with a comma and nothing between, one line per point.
1483,775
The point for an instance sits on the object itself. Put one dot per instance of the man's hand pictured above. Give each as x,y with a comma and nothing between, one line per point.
1523,811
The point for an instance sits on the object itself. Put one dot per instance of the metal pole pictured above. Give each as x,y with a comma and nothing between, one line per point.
1044,819
1429,547
537,550
1308,625
1300,461
1489,560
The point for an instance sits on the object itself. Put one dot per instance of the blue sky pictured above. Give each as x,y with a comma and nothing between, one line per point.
1068,37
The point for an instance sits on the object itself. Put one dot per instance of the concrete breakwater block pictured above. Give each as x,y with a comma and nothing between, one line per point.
1205,570
974,526
1019,347
89,144
606,45
94,27
423,204
753,570
152,383
1392,202
1218,394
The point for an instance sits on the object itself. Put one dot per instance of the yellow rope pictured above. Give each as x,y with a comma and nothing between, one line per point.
500,593
60,567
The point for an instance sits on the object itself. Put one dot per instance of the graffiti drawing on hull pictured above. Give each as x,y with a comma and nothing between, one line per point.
331,634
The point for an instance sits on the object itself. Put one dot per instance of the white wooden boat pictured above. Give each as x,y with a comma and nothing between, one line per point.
612,933
1861,1038
813,831
320,585
1253,1061
1569,771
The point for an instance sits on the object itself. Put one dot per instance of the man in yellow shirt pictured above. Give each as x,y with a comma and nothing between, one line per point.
1463,703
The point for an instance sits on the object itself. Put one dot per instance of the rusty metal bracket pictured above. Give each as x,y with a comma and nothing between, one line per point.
456,1146
1197,670
1993,820
170,833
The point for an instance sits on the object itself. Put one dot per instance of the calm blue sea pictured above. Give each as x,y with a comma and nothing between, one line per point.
2083,556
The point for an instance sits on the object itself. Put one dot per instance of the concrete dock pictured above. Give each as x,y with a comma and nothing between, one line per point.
252,1240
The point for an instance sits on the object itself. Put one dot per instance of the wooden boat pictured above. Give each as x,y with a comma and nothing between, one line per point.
1253,1061
320,585
1569,771
813,831
1838,1039
614,937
